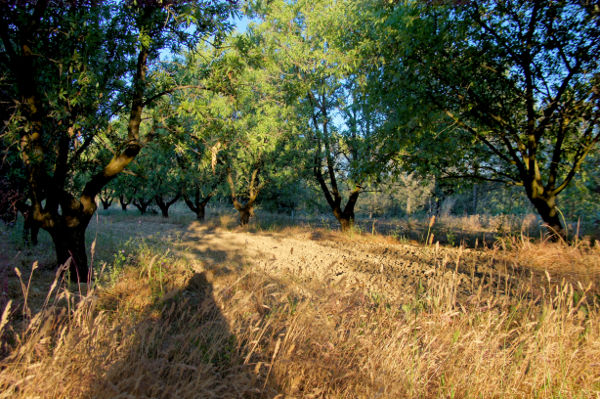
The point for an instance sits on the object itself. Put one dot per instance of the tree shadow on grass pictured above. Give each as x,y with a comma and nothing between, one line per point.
216,249
181,348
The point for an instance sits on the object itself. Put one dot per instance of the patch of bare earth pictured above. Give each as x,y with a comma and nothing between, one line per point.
384,266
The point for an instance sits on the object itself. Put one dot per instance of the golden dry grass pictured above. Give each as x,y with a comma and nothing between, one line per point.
162,326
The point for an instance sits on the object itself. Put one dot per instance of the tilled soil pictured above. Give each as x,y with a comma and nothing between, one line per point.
381,267
370,264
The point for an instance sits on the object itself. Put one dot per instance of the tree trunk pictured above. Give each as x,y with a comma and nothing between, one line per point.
165,205
246,210
123,201
35,229
164,211
245,214
201,212
30,231
475,199
70,244
437,208
164,208
345,218
141,205
198,205
547,209
346,223
31,227
105,203
54,209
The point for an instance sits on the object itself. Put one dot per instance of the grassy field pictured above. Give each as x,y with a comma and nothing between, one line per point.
180,309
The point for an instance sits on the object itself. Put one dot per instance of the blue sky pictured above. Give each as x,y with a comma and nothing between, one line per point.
241,23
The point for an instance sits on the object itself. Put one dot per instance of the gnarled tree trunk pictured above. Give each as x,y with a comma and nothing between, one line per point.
31,227
245,212
543,198
165,205
106,203
197,204
69,243
141,205
345,216
546,207
53,208
31,230
245,209
124,202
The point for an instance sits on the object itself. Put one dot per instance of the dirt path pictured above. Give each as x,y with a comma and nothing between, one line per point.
375,266
321,258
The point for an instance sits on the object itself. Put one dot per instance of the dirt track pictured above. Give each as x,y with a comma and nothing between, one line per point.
378,266
373,265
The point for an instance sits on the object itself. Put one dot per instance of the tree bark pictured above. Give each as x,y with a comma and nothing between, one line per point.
164,209
35,229
31,230
201,213
141,205
198,204
70,244
53,208
475,199
246,210
165,205
106,203
123,201
245,214
346,217
346,223
548,211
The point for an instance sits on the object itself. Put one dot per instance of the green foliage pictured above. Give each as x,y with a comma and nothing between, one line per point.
494,90
72,69
395,101
240,127
321,69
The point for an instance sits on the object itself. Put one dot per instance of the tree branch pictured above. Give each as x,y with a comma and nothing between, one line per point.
170,90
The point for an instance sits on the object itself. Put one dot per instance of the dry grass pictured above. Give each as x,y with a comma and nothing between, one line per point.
159,326
578,259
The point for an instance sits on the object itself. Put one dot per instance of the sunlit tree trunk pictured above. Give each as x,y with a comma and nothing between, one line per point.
245,209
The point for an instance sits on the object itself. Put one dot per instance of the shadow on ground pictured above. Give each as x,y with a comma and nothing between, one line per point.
182,347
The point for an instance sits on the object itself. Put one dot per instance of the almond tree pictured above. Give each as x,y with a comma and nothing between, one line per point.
496,90
323,72
259,138
73,66
240,131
